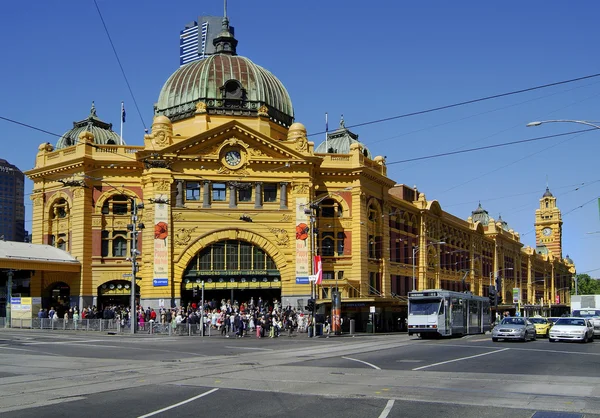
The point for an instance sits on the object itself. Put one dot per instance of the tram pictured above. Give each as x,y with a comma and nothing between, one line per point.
445,313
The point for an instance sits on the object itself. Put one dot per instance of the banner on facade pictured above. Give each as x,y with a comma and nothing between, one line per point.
161,236
302,241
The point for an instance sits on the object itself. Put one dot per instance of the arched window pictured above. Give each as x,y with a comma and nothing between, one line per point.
327,244
60,209
116,205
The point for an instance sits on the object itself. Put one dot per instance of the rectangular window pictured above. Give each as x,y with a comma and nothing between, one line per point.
119,208
232,255
205,261
245,194
328,275
270,192
119,247
219,256
192,190
218,192
245,256
259,259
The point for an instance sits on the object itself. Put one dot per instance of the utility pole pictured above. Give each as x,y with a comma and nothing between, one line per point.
134,252
9,283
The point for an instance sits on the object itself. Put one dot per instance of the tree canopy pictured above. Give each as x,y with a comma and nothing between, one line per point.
586,285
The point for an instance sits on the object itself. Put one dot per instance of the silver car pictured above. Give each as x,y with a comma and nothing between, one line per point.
514,328
573,329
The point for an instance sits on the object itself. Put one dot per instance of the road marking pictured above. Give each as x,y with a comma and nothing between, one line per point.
363,362
62,342
387,409
478,341
179,404
249,348
459,359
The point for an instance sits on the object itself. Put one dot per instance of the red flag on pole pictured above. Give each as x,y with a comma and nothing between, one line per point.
319,269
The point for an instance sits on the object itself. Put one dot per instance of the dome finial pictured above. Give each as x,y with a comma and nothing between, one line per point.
93,110
342,123
225,43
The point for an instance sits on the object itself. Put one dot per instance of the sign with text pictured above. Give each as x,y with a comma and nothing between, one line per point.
160,282
516,295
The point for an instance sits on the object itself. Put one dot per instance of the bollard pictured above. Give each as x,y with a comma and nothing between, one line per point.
352,326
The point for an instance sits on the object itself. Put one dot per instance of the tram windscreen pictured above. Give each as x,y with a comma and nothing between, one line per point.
424,306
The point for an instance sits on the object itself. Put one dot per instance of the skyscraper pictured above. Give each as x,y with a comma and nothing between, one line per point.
12,206
196,38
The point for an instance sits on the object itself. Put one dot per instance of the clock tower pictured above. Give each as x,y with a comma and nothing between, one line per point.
548,225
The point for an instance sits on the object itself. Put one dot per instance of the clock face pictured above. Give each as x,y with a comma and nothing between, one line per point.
547,231
233,158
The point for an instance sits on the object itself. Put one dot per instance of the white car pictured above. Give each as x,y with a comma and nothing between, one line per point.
572,329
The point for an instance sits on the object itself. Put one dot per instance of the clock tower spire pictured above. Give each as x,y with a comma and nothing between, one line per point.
548,226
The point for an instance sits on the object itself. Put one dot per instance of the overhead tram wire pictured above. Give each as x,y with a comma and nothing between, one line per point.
450,106
120,65
503,144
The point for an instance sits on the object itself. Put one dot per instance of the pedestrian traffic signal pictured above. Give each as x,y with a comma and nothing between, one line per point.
195,291
310,305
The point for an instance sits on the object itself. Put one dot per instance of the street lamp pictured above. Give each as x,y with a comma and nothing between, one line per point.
416,249
581,122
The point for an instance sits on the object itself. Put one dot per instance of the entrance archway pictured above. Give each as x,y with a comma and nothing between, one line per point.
57,296
116,293
231,269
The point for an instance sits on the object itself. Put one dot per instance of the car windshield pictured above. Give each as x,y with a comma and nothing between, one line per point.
571,321
424,307
587,313
513,321
538,320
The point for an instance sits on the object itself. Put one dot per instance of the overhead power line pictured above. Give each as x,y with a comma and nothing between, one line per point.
120,65
481,99
504,144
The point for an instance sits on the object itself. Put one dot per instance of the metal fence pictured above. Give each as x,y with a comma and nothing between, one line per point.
107,325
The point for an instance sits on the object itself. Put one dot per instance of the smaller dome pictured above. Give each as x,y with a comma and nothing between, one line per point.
340,141
547,193
568,259
102,131
161,119
480,215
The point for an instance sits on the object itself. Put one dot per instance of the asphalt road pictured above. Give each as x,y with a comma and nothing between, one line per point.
66,374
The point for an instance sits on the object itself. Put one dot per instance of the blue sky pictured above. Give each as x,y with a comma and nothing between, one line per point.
366,60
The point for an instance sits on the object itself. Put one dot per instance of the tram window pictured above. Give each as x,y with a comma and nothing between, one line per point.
441,309
424,307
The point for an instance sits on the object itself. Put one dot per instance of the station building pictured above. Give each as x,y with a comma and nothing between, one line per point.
237,202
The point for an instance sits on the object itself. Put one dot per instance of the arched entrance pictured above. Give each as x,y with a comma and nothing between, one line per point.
116,293
57,296
231,269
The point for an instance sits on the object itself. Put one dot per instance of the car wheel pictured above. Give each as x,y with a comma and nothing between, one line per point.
494,339
548,334
534,337
585,339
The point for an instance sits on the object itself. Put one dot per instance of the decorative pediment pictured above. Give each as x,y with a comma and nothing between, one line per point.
255,146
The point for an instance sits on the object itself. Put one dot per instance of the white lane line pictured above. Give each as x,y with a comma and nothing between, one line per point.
459,359
249,348
386,411
179,404
62,342
31,351
363,362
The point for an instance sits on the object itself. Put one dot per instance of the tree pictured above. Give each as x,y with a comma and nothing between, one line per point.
586,285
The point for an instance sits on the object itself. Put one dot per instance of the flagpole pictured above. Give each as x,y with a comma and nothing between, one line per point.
326,135
122,109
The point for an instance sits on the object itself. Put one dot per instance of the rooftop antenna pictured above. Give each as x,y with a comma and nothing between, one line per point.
225,9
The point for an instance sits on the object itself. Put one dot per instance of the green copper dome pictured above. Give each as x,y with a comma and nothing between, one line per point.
103,133
227,84
224,84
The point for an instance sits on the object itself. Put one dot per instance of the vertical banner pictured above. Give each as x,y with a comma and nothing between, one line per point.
336,312
161,235
302,242
318,269
516,295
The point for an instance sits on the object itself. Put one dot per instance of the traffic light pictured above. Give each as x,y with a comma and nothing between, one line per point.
499,288
493,295
195,291
310,305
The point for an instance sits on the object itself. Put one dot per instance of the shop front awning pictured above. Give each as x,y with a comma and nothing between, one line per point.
26,256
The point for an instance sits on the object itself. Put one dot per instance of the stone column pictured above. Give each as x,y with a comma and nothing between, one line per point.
206,195
283,193
258,195
232,197
179,195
